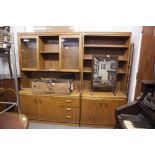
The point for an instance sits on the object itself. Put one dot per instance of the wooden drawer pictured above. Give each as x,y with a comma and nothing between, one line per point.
66,101
69,115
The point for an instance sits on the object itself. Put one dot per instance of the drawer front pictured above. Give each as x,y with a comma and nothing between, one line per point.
67,101
69,115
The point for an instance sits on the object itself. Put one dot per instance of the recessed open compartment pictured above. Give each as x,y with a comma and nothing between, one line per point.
29,76
106,40
49,44
121,84
87,66
50,61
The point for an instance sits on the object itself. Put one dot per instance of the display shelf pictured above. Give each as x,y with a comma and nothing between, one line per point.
49,52
120,71
88,93
87,69
105,46
29,92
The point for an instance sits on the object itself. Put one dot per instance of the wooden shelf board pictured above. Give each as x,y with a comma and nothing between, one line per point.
124,60
106,46
120,71
70,70
88,57
51,70
87,69
111,34
28,91
48,52
29,69
88,93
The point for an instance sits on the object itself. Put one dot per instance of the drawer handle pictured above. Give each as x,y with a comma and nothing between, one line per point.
68,101
68,117
68,109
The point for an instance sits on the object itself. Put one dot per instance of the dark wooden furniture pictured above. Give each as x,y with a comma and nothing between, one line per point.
138,111
147,55
148,87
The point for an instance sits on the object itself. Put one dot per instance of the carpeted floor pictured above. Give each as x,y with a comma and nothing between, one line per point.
36,125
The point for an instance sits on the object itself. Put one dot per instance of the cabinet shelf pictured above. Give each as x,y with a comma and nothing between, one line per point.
122,60
50,70
87,69
105,46
120,71
49,52
88,93
29,69
29,92
88,57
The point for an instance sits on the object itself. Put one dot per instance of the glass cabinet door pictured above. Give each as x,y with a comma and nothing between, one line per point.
70,52
28,53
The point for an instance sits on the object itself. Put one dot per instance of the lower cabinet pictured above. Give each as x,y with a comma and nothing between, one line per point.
94,111
99,111
50,108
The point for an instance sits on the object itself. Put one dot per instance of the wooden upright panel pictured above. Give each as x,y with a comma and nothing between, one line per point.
147,55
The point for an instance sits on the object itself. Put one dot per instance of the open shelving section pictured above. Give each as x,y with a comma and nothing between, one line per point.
107,44
98,108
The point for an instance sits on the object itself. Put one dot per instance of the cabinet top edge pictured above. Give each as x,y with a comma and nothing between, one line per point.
47,33
127,34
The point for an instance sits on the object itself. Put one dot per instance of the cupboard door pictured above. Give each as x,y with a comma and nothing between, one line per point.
99,111
70,52
28,52
29,106
47,109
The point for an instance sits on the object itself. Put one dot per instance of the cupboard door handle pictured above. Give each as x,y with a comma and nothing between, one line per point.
68,101
106,105
68,117
35,101
68,109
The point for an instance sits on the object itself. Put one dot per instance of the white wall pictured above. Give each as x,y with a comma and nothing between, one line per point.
136,39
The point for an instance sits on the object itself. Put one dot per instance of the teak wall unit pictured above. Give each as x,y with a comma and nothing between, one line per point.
69,55
50,55
98,108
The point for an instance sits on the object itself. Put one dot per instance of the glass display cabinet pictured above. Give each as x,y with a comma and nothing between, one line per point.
29,53
70,49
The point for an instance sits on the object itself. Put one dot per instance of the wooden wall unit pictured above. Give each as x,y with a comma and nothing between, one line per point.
69,55
98,108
